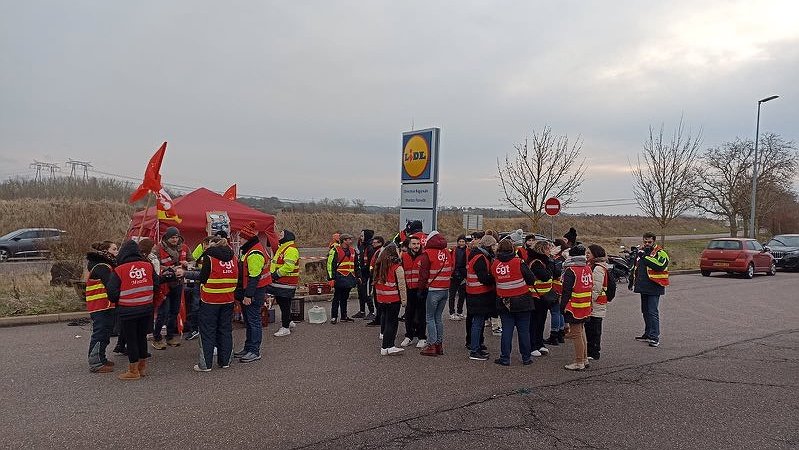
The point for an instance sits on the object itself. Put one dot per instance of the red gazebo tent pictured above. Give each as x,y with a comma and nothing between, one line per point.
192,208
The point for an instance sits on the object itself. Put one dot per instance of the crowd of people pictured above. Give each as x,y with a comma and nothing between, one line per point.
141,287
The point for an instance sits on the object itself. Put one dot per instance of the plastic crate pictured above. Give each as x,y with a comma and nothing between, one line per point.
298,309
318,288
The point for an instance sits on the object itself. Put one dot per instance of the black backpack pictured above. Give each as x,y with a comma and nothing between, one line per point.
610,291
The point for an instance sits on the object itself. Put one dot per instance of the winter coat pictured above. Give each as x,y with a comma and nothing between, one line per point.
459,270
640,282
482,304
365,252
222,253
568,286
519,303
598,310
129,252
438,242
97,263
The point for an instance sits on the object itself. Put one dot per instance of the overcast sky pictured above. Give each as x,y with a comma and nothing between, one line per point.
308,99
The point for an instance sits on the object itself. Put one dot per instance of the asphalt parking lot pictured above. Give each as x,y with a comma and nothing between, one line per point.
725,376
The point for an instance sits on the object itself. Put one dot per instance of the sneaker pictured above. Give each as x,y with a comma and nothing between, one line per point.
192,336
159,345
574,366
380,336
528,362
225,367
347,319
654,343
462,315
216,351
642,337
501,362
497,331
544,351
394,350
406,342
240,353
422,343
590,358
358,315
535,353
333,321
478,356
369,316
292,324
174,341
197,369
373,323
454,316
250,357
282,332
402,318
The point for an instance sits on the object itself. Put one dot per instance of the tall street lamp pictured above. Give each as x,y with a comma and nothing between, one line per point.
752,231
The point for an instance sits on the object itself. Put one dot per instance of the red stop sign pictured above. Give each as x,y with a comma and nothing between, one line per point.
552,206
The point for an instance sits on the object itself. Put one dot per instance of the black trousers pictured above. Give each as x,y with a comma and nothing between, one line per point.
340,298
216,330
415,319
390,323
285,310
593,334
456,288
364,299
135,331
538,323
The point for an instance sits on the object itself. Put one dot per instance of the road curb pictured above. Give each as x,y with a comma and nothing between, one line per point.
684,272
41,318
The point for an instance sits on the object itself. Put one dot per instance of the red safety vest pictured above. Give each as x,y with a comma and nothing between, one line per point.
96,295
221,282
541,287
473,284
346,264
440,269
136,288
411,267
290,280
388,291
602,298
166,259
510,281
579,304
266,275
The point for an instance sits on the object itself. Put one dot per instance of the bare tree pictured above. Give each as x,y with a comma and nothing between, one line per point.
664,175
723,180
544,166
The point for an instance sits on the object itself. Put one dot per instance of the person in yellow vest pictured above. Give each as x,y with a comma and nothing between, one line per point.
285,269
342,274
218,277
575,303
100,264
254,277
649,277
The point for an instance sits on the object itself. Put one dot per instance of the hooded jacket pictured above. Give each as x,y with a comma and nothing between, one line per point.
129,252
255,264
568,285
518,303
438,242
482,304
365,252
97,263
222,253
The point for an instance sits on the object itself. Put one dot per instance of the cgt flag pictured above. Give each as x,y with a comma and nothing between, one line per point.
152,176
230,193
166,207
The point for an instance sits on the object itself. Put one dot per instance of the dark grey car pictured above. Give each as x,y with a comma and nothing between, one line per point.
28,242
785,248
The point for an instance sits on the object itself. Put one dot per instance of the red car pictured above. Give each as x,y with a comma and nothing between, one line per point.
736,255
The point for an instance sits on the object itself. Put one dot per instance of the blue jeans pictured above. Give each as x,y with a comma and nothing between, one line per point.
649,309
434,308
556,322
216,330
102,324
252,322
476,333
168,313
192,298
520,321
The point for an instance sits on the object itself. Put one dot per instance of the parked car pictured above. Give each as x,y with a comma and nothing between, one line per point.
736,255
28,242
517,237
785,249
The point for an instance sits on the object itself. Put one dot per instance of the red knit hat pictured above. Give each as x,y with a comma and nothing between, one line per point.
249,231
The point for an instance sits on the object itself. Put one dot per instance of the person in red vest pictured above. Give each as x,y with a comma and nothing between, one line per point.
365,251
377,246
131,287
100,264
389,282
481,296
597,259
415,318
173,254
575,303
253,279
218,277
435,272
342,273
513,278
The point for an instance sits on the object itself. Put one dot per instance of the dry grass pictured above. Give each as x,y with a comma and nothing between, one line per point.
32,294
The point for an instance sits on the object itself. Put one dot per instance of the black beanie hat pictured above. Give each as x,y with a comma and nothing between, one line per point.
171,232
577,250
571,235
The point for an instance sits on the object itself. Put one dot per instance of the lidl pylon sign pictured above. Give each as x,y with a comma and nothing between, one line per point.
419,195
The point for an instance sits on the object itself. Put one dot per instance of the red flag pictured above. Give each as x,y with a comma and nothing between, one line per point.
165,207
152,176
230,193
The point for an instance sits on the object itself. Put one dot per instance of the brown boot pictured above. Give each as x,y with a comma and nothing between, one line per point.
132,373
109,363
440,348
430,350
142,366
173,342
105,368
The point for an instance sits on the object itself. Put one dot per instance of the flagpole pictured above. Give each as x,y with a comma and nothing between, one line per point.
144,216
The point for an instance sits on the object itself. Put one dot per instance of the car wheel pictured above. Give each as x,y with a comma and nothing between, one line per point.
772,270
705,273
4,255
750,271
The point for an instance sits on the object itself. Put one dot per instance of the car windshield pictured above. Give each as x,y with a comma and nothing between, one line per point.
784,241
9,235
724,245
